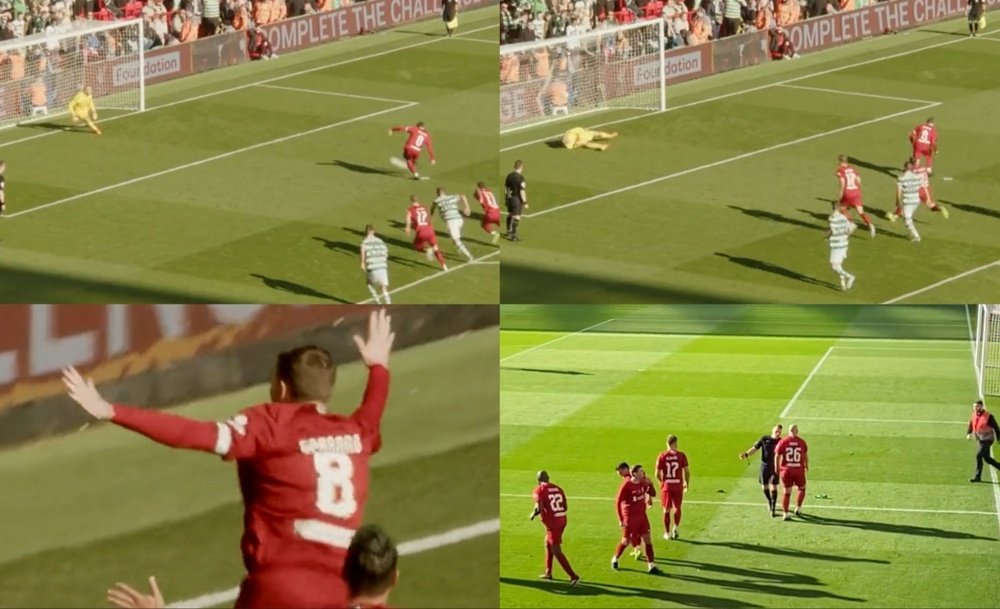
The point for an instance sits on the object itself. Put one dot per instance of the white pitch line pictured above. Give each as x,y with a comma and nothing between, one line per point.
860,94
905,421
204,161
408,548
726,161
753,89
555,340
337,94
812,506
434,276
802,387
265,81
943,282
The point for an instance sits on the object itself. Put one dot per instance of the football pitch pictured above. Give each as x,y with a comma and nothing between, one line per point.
881,394
84,511
724,197
255,183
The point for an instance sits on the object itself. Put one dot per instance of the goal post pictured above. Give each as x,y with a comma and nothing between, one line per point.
607,68
46,70
986,350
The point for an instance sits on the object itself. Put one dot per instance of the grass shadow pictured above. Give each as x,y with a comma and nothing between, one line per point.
284,285
352,249
546,371
771,216
888,170
770,267
973,209
787,552
594,589
885,527
357,168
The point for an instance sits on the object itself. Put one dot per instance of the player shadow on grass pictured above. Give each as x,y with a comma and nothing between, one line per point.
356,168
443,235
55,127
585,588
758,587
749,573
973,209
354,250
789,552
770,267
885,527
878,213
296,288
546,371
775,217
888,170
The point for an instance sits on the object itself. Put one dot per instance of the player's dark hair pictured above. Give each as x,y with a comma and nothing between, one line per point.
930,119
518,164
621,466
979,403
420,124
543,476
440,191
636,468
842,158
671,440
413,198
370,567
369,228
308,372
480,185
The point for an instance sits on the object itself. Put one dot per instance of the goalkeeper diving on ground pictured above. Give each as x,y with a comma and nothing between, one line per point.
81,108
578,137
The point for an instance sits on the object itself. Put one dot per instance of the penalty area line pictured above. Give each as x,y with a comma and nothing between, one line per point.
556,339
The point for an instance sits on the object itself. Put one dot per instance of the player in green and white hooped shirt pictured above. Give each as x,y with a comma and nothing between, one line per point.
908,195
448,206
375,262
839,234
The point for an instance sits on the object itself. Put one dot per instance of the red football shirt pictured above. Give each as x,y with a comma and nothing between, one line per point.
416,139
671,463
924,134
631,500
793,451
487,199
850,181
420,218
551,502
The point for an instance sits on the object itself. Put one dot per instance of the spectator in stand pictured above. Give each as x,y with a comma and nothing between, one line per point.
297,8
184,27
680,30
733,14
780,45
38,97
278,10
510,68
787,12
260,47
701,28
763,16
210,18
132,9
261,12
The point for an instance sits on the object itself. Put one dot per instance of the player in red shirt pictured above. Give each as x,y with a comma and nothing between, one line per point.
850,192
424,240
416,139
791,461
925,192
674,476
491,211
550,504
635,495
923,138
303,472
626,472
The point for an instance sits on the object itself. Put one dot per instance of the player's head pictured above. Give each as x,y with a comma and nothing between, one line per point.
369,230
543,476
518,165
623,470
420,124
909,164
979,406
930,120
842,159
481,185
304,374
440,191
793,430
88,90
671,441
776,431
413,200
370,567
637,472
835,206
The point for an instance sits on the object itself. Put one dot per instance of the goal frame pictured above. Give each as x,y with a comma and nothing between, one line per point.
986,350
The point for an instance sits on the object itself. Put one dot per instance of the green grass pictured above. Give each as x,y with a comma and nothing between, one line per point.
278,223
86,510
578,405
725,200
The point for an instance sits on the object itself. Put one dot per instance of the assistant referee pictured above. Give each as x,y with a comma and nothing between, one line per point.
516,199
984,426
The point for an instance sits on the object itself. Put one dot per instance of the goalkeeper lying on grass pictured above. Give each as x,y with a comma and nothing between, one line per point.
81,108
578,137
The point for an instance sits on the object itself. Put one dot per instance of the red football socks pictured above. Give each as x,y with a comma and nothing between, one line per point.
649,552
677,515
565,565
548,559
800,497
784,500
866,218
619,550
440,257
666,522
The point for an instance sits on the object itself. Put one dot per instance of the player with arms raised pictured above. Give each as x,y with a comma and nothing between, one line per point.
850,192
923,138
839,236
303,471
424,238
416,139
451,213
791,461
375,264
768,475
634,496
674,476
491,211
81,108
550,504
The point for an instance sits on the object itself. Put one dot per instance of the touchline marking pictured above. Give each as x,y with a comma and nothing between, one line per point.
335,93
802,387
943,281
408,548
265,81
860,94
434,276
753,89
877,420
207,160
557,339
726,161
818,506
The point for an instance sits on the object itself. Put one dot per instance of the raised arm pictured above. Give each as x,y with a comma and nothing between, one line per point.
375,353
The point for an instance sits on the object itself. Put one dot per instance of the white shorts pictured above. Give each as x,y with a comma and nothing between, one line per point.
455,229
838,256
908,210
378,278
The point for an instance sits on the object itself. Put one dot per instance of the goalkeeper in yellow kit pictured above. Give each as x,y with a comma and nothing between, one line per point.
81,108
578,137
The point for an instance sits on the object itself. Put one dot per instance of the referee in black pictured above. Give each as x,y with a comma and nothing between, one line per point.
768,477
984,426
516,199
976,10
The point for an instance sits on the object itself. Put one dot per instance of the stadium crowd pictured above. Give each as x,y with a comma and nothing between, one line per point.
688,22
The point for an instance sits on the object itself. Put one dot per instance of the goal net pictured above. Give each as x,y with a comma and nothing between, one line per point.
610,67
40,73
986,350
